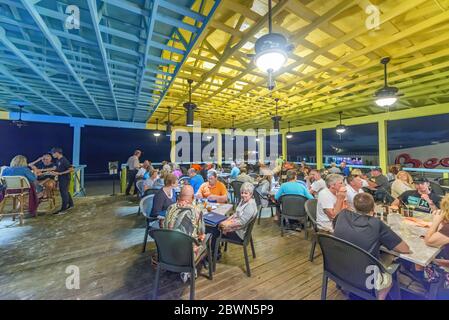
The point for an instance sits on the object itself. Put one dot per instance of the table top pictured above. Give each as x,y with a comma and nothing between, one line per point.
222,208
413,236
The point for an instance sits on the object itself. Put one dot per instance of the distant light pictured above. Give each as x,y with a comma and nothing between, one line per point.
340,129
156,133
289,135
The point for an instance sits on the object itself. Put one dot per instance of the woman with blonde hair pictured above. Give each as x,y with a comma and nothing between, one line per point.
402,183
19,167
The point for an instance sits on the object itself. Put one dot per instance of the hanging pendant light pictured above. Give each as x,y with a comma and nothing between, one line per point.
271,51
386,96
257,135
168,124
157,133
20,123
276,119
190,106
341,128
233,128
289,135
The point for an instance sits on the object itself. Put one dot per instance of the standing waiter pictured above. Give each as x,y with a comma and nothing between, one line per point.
133,166
63,170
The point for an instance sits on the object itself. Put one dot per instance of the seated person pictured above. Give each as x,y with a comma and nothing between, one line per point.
422,199
331,201
379,184
353,187
165,196
438,236
264,189
196,180
364,230
318,183
244,177
235,171
142,173
153,181
292,187
187,218
235,226
42,167
213,190
402,183
177,171
19,167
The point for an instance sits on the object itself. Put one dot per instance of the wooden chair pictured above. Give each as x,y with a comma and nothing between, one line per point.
51,197
17,189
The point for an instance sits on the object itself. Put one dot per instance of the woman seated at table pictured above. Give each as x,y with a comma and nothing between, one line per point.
153,182
402,183
438,236
235,226
165,196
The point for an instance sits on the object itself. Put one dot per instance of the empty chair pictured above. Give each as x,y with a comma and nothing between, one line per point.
351,267
248,239
293,207
17,189
444,182
437,189
310,207
258,197
236,185
145,206
139,186
175,253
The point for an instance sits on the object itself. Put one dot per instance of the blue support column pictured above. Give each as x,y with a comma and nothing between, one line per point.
76,144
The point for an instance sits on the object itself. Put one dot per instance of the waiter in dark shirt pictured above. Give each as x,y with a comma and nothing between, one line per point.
63,170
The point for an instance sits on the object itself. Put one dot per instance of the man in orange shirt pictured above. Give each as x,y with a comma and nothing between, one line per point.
213,189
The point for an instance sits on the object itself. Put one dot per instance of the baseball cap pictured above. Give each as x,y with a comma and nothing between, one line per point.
377,169
420,180
53,150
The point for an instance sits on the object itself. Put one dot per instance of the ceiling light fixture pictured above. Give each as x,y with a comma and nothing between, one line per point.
20,123
233,128
209,133
271,51
289,134
386,96
276,119
341,128
157,133
168,124
190,106
257,135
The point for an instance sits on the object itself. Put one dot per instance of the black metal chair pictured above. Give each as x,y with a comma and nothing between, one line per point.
351,267
236,185
175,253
145,206
437,189
293,207
444,182
184,180
311,207
248,239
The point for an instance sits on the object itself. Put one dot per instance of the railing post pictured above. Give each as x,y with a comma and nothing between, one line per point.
284,146
76,144
383,145
123,174
319,148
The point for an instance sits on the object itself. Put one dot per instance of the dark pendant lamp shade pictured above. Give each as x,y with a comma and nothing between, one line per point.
190,107
276,119
168,124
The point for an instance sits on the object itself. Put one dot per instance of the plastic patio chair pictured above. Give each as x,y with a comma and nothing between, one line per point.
175,253
293,207
311,207
236,185
258,197
145,206
348,266
139,186
248,239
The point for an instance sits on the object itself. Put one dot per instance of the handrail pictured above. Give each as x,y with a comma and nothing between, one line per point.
76,186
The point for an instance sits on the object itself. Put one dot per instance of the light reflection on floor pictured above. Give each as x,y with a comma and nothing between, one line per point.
124,211
11,231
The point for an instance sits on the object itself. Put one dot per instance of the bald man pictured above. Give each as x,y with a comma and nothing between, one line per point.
184,216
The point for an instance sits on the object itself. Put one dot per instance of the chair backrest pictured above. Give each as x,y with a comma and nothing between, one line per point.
236,185
16,182
174,248
437,189
139,185
146,205
348,264
184,180
293,205
444,182
257,198
249,230
311,206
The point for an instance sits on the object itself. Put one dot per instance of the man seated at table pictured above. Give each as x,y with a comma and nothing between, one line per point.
423,199
292,187
331,201
379,185
318,183
42,167
364,230
213,190
196,180
235,171
187,218
244,177
353,187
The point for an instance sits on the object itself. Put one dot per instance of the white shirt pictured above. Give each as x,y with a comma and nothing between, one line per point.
350,194
318,185
133,163
326,200
141,172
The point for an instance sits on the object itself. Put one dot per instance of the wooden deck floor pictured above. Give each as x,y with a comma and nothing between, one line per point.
103,236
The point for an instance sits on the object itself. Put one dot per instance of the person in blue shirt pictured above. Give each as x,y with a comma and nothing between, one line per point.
292,187
196,180
235,171
19,167
344,169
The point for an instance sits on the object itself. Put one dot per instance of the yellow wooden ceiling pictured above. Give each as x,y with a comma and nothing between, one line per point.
334,67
